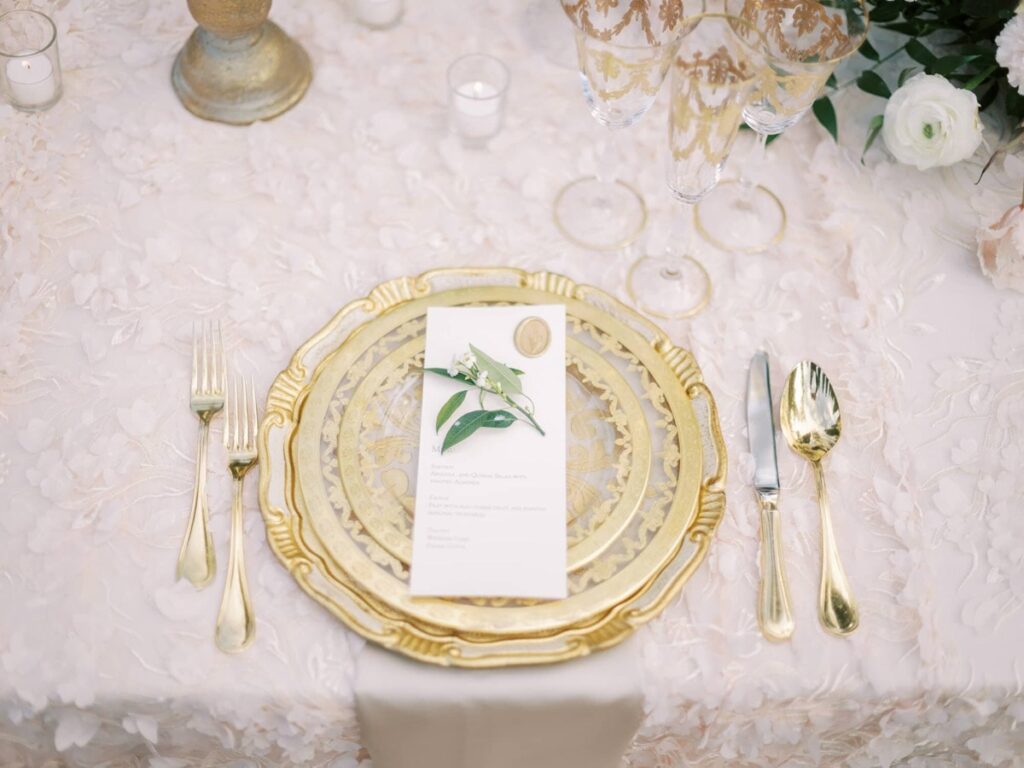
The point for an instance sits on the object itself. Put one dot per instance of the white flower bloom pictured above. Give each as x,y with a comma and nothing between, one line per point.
469,360
1010,51
1001,250
453,369
930,122
483,381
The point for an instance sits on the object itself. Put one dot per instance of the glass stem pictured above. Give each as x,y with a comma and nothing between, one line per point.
608,158
678,244
756,159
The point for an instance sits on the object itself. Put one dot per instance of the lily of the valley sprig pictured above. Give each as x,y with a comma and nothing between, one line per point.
486,376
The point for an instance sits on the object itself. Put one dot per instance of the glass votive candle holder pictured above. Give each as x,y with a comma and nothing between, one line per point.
29,62
378,14
477,85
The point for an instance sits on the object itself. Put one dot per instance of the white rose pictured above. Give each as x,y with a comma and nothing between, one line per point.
1001,250
930,122
1010,51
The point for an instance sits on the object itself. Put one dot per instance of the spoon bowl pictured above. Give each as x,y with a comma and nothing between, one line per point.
810,414
812,424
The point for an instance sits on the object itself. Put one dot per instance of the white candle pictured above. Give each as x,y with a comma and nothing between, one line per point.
477,109
31,80
378,13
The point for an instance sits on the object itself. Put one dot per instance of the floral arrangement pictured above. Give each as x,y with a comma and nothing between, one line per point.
486,376
967,56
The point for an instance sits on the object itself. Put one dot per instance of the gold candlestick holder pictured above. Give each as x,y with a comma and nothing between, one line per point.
237,66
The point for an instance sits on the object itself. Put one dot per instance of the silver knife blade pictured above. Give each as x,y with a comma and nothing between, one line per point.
761,425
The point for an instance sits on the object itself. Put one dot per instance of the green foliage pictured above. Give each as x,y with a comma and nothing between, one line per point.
470,422
874,128
952,38
826,114
450,407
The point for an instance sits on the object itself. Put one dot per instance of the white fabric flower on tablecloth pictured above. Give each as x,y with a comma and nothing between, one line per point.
1001,250
1010,51
930,122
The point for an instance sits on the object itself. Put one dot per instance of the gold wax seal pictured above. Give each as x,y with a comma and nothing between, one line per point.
532,336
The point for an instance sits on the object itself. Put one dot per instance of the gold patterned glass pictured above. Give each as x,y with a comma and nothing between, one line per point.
714,75
804,41
624,49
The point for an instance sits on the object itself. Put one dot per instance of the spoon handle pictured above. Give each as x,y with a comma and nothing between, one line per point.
836,607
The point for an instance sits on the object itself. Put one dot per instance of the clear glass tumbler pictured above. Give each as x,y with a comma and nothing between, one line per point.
30,77
477,86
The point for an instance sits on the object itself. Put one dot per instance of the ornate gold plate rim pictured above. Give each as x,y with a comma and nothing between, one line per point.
296,545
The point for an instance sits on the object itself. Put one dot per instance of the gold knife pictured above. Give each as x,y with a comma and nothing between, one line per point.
773,611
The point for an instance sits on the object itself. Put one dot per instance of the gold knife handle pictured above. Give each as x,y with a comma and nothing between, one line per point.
837,610
773,611
196,559
236,623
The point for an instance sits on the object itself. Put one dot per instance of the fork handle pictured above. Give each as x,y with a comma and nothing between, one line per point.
236,623
196,559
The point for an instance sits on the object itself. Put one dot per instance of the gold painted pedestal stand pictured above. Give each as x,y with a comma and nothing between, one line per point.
237,66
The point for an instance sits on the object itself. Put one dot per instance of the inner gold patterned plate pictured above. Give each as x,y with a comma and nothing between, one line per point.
337,483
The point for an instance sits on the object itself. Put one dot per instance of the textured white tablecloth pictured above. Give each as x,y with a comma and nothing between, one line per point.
122,219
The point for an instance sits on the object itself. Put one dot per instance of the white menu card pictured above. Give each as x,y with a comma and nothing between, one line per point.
490,510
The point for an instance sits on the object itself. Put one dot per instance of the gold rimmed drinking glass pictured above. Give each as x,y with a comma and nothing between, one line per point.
804,42
715,71
624,49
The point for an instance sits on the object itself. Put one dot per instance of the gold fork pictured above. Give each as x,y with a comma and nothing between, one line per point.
236,623
196,561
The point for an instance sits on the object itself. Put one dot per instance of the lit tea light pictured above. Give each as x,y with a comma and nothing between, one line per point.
29,61
378,14
30,80
477,85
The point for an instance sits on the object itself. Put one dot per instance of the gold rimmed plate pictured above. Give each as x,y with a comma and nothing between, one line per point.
340,437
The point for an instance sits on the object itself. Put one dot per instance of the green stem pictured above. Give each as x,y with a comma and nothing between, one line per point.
525,413
980,78
872,68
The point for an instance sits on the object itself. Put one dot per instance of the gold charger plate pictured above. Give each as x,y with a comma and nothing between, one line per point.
338,444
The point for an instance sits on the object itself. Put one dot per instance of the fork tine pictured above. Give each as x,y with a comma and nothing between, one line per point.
245,418
195,359
235,415
214,355
206,357
222,381
255,413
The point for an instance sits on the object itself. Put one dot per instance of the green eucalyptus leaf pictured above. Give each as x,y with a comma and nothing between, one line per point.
469,423
947,65
449,408
874,127
867,50
885,12
497,372
826,114
871,82
919,53
444,372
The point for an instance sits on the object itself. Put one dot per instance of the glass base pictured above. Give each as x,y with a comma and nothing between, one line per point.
673,286
741,218
600,215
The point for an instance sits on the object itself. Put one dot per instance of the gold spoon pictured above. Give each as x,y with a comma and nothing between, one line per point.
811,422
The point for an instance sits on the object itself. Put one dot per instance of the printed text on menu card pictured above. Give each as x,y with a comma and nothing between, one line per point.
490,511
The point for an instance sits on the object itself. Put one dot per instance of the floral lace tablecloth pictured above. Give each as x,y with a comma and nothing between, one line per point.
123,219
